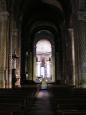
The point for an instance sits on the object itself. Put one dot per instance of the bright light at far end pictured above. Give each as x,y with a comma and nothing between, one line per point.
42,72
38,69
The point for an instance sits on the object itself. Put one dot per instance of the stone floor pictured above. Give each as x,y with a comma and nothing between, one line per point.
42,105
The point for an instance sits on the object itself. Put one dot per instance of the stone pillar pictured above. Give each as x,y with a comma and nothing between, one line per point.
57,66
18,72
10,51
3,48
71,32
74,26
71,57
26,65
11,48
68,57
64,42
32,64
53,62
15,47
82,53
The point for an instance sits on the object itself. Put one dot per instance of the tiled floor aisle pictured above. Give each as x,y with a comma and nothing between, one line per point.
42,104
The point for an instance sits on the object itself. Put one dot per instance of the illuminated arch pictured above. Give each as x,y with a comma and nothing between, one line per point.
44,62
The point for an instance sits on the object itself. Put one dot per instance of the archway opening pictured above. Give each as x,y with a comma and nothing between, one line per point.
44,62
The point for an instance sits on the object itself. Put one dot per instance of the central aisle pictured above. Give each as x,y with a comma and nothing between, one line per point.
42,104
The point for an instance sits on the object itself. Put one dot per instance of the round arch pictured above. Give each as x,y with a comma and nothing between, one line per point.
44,56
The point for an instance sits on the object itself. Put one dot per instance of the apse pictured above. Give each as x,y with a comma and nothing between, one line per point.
43,59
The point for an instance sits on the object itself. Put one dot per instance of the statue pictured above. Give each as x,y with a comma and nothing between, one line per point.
43,84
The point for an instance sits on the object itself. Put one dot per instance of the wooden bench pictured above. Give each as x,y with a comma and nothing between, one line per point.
81,106
13,101
71,112
10,108
68,101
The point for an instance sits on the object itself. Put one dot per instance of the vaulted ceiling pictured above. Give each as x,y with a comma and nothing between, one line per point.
24,9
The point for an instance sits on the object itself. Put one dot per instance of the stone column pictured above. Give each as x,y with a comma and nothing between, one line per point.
18,72
26,65
10,52
82,53
71,57
64,42
32,65
74,26
68,57
3,48
16,47
11,48
57,68
71,32
53,62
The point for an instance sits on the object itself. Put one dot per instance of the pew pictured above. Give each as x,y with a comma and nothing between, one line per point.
71,112
14,101
68,101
